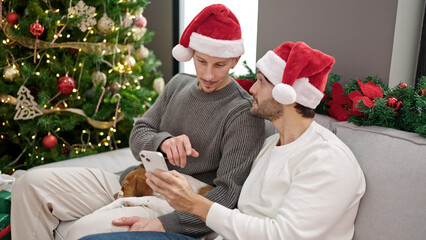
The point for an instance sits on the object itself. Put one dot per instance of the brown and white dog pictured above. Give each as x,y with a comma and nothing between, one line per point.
136,192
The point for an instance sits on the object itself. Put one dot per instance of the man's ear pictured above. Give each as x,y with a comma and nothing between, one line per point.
235,61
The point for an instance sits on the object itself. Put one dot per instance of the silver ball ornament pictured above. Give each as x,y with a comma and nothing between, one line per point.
141,53
128,61
158,85
138,33
99,77
10,73
105,24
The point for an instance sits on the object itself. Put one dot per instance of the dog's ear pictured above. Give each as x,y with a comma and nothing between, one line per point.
141,188
127,185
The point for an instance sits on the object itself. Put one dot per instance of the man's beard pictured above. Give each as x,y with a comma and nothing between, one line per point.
270,109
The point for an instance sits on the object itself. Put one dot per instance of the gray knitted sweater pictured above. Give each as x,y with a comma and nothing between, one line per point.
220,128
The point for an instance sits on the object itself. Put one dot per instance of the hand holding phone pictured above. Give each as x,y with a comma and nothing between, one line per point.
153,160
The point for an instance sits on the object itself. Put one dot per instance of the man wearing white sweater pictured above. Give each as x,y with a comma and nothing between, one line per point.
304,184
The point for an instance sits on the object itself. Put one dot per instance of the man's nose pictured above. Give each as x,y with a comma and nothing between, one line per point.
209,75
252,88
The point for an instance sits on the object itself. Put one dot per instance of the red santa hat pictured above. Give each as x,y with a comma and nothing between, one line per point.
215,31
298,72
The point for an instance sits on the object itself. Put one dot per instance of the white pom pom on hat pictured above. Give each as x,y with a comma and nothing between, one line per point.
298,72
215,31
182,54
284,93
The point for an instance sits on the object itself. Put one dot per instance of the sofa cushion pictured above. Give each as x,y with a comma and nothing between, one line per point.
394,165
113,161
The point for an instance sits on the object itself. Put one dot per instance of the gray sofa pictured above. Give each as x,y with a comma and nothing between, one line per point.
394,164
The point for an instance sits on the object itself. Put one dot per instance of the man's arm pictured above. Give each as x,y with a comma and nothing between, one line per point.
325,189
145,133
241,143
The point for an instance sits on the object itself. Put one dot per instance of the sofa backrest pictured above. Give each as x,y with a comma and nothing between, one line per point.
394,165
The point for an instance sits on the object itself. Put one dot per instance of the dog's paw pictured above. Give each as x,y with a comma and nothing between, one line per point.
132,203
135,201
151,202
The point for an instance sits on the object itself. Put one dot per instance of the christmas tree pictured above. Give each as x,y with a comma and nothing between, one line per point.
75,75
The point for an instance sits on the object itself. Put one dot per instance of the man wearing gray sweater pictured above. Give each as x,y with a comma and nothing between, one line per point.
203,123
219,128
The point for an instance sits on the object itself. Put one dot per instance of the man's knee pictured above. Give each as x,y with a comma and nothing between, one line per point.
29,180
92,224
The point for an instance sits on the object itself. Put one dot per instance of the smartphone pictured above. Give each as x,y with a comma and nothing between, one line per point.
153,160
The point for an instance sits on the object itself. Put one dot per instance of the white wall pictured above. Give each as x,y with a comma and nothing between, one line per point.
359,34
409,22
367,37
244,10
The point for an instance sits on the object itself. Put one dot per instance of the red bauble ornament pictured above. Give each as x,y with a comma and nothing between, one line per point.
36,29
50,141
402,85
140,22
114,87
422,91
12,18
66,84
394,103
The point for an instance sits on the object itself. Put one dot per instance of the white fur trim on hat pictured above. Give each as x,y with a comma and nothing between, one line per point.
284,93
272,66
307,94
182,54
216,48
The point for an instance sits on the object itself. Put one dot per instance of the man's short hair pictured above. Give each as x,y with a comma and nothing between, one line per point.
305,111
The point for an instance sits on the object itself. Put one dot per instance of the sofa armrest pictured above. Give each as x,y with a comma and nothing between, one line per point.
394,165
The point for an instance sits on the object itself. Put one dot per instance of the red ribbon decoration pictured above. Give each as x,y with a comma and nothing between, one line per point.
100,98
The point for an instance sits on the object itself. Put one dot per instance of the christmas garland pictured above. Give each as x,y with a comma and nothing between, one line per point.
368,102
